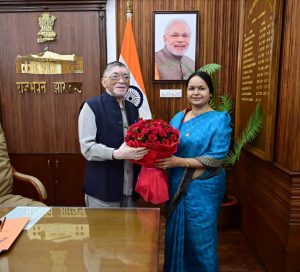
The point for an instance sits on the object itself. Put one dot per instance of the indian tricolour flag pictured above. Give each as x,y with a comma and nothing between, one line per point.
136,93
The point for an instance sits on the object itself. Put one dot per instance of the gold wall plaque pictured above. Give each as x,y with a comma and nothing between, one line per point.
259,55
46,33
49,63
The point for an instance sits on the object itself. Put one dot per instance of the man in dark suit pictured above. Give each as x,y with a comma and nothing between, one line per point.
103,121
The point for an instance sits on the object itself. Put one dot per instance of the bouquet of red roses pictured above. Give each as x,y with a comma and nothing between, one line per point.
162,140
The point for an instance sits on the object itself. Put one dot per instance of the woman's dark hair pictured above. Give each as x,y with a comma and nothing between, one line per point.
206,77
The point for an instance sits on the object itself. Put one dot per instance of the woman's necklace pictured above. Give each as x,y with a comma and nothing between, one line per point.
188,116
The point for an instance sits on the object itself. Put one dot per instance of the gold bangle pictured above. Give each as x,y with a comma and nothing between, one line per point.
187,164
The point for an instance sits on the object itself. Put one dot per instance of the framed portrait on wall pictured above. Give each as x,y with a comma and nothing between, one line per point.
175,45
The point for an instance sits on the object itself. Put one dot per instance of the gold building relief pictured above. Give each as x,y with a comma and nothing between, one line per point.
59,232
49,63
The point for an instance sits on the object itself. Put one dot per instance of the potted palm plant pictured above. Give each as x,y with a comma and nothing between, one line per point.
254,125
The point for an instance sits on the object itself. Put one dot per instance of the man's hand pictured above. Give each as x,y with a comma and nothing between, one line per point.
125,152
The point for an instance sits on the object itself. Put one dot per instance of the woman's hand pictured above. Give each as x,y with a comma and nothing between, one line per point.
168,162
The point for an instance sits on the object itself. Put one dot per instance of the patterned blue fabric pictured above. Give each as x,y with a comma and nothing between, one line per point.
191,231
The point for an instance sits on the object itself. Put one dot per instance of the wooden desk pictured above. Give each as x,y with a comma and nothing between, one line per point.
84,239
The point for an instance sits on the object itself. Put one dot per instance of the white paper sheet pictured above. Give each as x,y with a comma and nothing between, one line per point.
34,214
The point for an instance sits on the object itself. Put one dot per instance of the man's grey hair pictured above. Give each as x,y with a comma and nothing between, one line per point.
175,21
111,65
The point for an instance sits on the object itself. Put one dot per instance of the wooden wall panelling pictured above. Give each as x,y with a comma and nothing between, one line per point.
264,198
267,246
292,263
53,5
48,122
226,46
218,40
269,201
69,174
293,252
84,43
288,130
270,196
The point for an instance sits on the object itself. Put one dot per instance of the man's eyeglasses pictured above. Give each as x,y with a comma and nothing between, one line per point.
117,77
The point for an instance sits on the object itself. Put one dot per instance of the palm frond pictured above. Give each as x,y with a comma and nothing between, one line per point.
252,129
210,68
213,103
225,104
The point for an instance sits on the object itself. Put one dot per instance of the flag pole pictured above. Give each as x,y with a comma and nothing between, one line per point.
129,9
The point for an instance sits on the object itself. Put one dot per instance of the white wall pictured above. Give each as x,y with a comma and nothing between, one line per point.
111,31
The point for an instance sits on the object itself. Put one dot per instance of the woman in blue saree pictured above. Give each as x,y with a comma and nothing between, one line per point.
191,231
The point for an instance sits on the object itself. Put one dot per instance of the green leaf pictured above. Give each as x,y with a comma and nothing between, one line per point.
210,68
225,104
252,129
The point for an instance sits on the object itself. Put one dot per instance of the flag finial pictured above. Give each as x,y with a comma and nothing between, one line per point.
129,8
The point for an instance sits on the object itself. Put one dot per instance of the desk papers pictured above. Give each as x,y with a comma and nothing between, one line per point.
10,231
33,213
